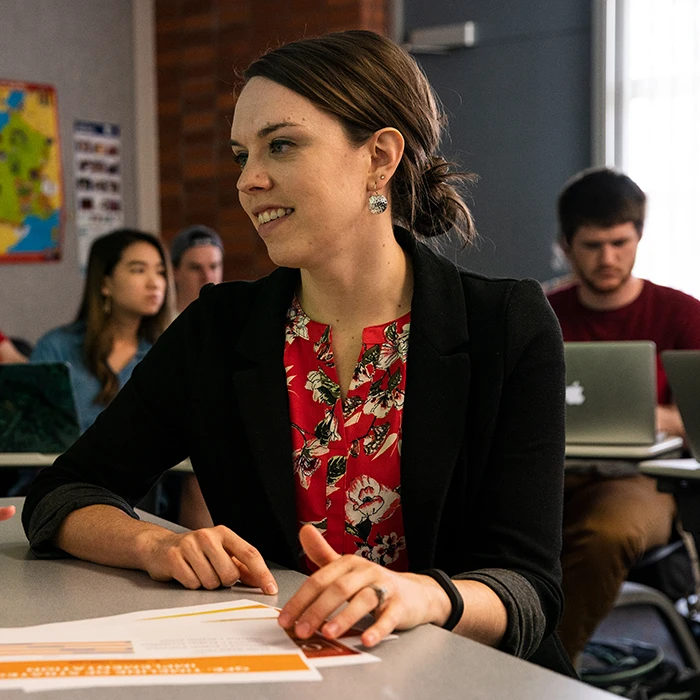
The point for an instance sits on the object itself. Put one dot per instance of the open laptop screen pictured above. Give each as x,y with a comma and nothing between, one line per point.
610,393
37,408
683,370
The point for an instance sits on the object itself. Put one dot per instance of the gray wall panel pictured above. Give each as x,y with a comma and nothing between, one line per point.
85,50
519,109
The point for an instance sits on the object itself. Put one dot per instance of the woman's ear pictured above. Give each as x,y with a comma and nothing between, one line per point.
386,151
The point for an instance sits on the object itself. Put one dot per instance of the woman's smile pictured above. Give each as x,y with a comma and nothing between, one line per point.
273,213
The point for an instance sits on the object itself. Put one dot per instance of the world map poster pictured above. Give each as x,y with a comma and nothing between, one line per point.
31,184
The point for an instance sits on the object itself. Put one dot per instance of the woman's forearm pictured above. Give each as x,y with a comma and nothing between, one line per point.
208,558
106,535
485,618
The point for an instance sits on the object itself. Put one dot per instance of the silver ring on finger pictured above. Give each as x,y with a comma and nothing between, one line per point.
382,595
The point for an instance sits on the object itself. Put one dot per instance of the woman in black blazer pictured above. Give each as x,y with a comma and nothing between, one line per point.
336,138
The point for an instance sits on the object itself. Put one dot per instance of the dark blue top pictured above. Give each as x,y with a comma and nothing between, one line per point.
65,344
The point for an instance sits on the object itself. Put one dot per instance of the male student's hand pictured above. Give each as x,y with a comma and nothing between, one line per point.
6,512
206,558
669,421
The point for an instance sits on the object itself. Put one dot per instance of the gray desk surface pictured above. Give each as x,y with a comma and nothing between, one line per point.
688,469
681,477
39,459
423,663
26,459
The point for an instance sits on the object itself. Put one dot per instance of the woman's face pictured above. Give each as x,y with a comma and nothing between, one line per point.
302,183
137,283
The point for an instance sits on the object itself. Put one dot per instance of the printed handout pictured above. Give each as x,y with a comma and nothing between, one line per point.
231,642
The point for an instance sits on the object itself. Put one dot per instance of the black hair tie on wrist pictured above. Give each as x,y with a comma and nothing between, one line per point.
448,585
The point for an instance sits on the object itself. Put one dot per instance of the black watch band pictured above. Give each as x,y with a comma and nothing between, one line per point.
448,585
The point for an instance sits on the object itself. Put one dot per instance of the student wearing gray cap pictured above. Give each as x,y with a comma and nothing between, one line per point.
197,256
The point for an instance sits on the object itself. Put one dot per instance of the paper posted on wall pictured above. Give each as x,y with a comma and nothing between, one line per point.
98,183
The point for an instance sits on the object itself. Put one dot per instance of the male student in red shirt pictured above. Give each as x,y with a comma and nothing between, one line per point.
610,522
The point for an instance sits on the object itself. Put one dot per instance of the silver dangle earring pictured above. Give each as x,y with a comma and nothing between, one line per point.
378,202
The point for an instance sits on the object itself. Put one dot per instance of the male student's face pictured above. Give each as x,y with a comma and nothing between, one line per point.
603,258
198,266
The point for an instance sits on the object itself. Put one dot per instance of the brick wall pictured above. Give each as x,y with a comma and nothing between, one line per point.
199,44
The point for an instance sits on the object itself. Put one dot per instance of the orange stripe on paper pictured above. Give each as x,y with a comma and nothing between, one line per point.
14,670
258,606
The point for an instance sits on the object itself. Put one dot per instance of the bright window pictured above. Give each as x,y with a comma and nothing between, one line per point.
656,120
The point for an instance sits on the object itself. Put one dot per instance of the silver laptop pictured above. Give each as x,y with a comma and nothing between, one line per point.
611,400
683,370
610,393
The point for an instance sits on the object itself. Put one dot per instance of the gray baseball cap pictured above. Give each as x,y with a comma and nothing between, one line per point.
190,237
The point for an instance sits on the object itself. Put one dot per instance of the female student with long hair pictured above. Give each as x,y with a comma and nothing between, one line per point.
367,398
126,305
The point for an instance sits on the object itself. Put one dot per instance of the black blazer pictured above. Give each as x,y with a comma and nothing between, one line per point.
483,425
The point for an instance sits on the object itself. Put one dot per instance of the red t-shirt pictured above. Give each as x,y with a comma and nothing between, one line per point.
3,338
347,454
666,316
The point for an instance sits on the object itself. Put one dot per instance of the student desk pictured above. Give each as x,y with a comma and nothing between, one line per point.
616,460
670,447
14,460
39,460
680,477
426,662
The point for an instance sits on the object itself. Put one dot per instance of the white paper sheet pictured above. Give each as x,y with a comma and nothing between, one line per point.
225,642
239,642
320,652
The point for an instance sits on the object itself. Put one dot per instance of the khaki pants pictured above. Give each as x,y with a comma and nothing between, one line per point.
608,525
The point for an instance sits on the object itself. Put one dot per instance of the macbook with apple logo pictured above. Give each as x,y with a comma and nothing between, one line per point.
611,401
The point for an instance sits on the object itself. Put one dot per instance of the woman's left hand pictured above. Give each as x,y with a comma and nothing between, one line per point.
409,599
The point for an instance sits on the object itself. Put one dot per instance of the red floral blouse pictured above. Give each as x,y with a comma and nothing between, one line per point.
347,454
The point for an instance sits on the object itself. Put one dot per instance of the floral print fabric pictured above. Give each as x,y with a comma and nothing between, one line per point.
347,453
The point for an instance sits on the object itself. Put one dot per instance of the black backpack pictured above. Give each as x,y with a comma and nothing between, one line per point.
636,670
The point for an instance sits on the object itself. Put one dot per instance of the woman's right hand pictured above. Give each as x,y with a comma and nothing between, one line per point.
206,558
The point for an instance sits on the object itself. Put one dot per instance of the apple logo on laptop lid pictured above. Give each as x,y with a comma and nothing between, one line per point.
574,394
